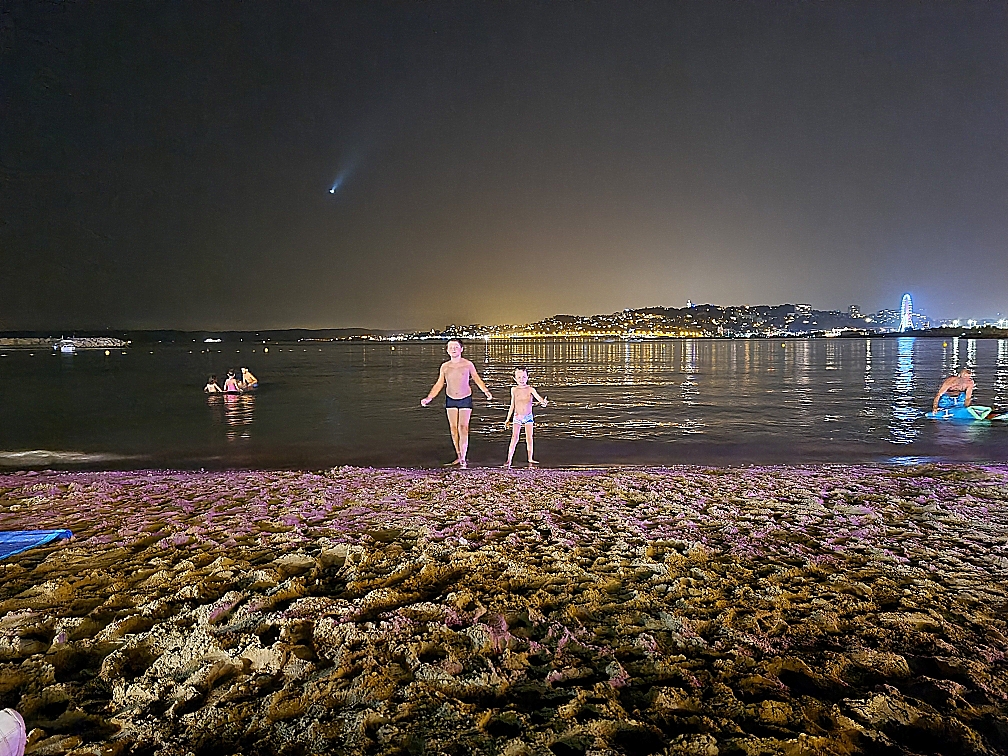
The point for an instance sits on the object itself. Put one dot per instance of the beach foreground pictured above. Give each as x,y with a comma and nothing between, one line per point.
683,611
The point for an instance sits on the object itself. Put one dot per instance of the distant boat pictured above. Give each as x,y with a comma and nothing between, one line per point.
211,341
66,346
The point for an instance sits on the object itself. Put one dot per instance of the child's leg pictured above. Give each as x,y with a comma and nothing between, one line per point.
528,442
515,433
453,423
463,434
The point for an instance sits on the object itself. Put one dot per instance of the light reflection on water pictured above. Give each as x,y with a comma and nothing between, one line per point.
1001,374
902,425
677,400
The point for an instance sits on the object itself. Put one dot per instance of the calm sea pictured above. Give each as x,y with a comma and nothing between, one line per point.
652,402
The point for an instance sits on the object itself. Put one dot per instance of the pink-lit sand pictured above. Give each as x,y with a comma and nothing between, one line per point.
683,611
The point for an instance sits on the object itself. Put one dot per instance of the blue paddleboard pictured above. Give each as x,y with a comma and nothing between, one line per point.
969,414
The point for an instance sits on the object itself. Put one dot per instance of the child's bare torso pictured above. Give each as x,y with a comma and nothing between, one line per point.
522,400
456,375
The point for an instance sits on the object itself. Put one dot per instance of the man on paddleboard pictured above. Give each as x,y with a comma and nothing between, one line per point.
956,390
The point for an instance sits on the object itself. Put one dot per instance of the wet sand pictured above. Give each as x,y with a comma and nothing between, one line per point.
825,610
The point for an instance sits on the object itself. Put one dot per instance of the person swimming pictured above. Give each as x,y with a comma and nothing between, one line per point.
211,386
248,380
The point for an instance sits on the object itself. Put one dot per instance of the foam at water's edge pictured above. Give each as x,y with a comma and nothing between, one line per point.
34,457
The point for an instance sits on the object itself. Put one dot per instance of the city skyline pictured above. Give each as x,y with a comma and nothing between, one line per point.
692,320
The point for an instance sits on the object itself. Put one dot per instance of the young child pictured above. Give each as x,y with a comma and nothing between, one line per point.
231,385
454,377
522,397
211,386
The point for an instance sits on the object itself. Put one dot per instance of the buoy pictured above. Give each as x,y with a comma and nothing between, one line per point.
13,735
783,345
393,349
265,349
107,352
944,344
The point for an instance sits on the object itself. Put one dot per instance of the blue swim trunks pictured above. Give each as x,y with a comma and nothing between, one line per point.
464,403
524,419
947,401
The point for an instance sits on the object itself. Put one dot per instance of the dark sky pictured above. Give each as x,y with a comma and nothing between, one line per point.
169,165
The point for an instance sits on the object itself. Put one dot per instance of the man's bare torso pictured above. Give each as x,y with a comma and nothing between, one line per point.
456,375
957,384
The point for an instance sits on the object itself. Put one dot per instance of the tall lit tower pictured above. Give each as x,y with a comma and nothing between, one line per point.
906,313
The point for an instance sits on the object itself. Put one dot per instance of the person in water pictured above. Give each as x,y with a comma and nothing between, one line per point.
454,378
523,397
248,380
211,386
955,391
231,385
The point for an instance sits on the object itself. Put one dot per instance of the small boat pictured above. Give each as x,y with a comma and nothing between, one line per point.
65,346
211,341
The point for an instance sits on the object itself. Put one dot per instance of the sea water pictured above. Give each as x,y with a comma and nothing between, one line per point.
322,404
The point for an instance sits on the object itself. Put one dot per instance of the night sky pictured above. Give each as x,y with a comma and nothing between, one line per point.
170,165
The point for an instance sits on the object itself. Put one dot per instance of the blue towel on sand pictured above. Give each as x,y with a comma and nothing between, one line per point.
15,541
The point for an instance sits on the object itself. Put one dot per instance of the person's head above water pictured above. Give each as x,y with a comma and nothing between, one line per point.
521,376
454,348
230,374
965,373
212,379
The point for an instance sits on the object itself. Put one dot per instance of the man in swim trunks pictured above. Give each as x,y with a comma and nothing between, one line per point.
454,377
955,391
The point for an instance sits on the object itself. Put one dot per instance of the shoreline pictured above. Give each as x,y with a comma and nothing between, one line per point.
687,610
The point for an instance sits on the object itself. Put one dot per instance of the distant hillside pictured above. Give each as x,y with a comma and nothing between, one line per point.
167,336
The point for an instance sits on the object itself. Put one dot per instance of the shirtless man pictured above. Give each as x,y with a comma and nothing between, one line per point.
454,377
248,380
956,387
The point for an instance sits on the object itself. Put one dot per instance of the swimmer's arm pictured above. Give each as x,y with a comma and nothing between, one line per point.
969,394
941,391
541,399
479,381
435,389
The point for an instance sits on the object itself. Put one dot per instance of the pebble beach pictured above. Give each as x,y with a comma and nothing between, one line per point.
756,610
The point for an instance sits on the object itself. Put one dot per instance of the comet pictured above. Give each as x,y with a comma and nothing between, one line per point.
342,176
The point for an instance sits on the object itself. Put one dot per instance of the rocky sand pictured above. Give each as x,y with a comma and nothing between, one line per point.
825,610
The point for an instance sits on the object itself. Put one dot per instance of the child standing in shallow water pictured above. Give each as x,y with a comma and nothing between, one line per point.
522,397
